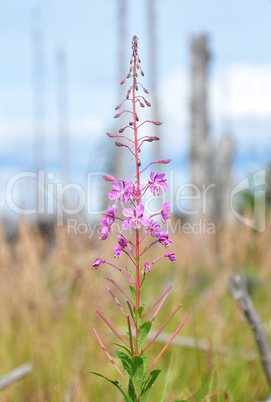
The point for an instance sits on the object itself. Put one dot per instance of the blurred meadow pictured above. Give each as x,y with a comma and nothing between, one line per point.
48,297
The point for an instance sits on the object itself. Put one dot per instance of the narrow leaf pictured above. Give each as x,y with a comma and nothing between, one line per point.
133,293
113,383
152,377
123,347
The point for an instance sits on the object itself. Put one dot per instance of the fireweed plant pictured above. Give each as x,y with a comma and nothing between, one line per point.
140,376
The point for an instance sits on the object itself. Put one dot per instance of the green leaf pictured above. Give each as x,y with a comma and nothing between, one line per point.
140,310
133,293
124,347
144,362
114,383
132,395
126,361
131,272
137,374
152,377
144,329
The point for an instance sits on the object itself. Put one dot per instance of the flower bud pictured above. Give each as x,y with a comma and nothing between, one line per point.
118,106
150,139
157,123
119,144
111,135
147,103
121,130
145,90
142,73
109,178
164,161
117,115
123,81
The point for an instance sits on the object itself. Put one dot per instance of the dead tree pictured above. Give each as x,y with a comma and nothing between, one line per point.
200,146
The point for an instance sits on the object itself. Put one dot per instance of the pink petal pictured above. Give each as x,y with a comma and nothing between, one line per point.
126,225
128,212
117,186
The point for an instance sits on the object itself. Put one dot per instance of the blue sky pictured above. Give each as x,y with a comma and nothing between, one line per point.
240,78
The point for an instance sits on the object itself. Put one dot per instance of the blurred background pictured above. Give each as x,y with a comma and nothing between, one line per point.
207,67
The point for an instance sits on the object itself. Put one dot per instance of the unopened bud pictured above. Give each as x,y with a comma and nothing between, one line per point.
142,73
147,103
150,139
136,87
141,104
119,144
157,123
123,81
117,115
145,90
109,178
118,106
164,161
111,135
138,164
121,130
131,123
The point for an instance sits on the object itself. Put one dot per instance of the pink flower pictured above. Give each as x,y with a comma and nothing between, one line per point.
165,212
164,239
171,256
105,231
122,242
118,251
107,221
135,218
147,267
98,262
121,192
157,182
154,229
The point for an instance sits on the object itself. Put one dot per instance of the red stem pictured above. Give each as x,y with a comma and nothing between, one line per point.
137,198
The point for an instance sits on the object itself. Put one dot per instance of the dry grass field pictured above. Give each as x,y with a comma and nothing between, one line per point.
48,297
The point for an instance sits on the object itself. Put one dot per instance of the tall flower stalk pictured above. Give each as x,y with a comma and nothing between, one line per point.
136,230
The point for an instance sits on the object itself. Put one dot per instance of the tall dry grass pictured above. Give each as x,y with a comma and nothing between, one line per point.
48,296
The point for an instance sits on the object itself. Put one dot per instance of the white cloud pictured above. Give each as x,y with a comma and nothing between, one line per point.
240,90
